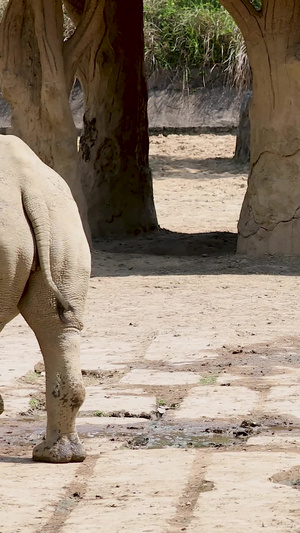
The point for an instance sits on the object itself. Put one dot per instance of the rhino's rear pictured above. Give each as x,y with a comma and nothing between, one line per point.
1,405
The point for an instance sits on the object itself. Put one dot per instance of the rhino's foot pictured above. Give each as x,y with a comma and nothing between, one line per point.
64,450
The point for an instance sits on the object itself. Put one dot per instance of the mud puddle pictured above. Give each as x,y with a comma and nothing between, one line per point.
176,440
147,434
164,434
153,434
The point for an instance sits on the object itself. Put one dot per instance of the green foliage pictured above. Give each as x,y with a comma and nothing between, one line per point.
161,402
208,380
191,34
35,403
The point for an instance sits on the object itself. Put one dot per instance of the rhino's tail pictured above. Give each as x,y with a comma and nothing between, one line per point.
1,405
36,210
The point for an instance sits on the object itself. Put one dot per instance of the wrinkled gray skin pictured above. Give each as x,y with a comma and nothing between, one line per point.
44,275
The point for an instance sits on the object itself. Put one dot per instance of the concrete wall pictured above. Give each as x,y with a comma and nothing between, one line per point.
204,109
171,107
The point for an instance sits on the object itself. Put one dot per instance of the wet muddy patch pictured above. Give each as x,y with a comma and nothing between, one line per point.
156,434
19,436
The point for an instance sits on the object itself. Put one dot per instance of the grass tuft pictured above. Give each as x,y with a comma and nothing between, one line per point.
184,35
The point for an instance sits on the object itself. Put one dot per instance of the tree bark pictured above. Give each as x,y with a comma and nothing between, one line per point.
36,80
270,215
242,147
114,146
33,82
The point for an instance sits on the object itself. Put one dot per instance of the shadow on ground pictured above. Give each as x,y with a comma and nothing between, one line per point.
165,242
170,253
212,168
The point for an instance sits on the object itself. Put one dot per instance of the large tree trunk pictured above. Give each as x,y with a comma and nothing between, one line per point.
269,221
33,82
37,71
114,146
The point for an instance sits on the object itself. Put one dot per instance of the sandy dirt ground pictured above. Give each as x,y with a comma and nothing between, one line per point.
190,357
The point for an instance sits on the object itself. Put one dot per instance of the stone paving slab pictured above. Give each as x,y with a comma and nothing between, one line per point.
18,356
181,349
108,400
26,504
285,440
244,498
17,401
226,378
154,377
95,366
140,496
283,400
285,375
106,353
217,402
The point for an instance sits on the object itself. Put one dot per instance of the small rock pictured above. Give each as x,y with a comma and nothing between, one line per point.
39,367
248,424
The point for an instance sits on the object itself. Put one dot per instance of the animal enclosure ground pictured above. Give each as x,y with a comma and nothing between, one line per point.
190,357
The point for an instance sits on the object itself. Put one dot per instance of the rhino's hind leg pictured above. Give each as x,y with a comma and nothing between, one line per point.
64,396
64,450
60,345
